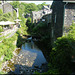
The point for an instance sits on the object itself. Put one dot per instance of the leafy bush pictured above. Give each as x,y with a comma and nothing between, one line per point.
1,29
1,12
72,31
7,47
60,56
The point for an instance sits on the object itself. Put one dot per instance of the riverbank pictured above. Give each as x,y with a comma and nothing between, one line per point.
43,49
6,50
9,65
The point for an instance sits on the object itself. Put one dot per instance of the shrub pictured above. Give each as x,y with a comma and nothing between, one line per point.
60,56
1,12
1,29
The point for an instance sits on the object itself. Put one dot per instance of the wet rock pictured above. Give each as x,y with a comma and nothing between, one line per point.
29,55
40,71
8,66
26,60
21,72
31,70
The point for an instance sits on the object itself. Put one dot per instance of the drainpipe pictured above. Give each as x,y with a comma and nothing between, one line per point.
64,14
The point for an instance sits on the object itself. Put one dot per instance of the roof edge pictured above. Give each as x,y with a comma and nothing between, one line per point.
69,1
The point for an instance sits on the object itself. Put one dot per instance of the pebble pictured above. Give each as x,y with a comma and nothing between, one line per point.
18,62
21,71
26,60
40,70
29,55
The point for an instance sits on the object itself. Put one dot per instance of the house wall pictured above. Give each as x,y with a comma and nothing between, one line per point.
57,19
69,14
48,18
7,8
36,15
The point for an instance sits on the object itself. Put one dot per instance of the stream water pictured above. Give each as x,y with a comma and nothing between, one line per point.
30,59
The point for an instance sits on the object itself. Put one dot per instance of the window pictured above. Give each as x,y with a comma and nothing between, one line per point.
43,19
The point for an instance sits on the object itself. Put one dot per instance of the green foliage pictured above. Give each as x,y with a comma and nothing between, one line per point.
30,7
60,61
7,17
23,29
15,4
1,29
60,56
27,7
72,31
14,15
40,29
20,40
1,12
50,71
4,19
28,23
7,47
40,6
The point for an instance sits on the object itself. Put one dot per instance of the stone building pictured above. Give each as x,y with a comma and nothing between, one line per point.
7,7
37,15
63,14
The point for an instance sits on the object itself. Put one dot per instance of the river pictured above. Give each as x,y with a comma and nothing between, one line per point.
30,59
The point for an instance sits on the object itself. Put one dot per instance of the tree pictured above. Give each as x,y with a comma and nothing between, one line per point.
1,12
15,4
1,29
40,6
30,7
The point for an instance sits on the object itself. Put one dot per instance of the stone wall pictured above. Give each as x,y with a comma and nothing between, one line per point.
47,18
57,19
7,8
69,14
36,16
